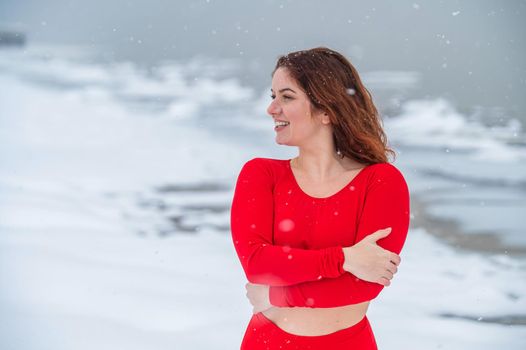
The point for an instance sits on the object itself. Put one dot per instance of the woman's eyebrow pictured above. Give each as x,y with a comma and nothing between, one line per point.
285,89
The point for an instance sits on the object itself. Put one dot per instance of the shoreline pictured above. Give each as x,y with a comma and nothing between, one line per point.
450,231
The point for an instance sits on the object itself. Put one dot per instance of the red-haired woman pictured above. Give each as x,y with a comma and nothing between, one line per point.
319,235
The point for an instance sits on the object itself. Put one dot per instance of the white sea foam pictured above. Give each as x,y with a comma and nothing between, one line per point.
436,123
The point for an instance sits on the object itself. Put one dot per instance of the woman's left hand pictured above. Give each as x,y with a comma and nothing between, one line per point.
258,295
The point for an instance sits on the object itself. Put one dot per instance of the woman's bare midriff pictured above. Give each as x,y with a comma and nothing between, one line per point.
316,321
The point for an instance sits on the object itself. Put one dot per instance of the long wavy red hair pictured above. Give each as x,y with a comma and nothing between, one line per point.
333,85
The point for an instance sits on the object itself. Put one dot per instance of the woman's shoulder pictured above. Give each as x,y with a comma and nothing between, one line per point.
381,171
264,166
387,168
266,162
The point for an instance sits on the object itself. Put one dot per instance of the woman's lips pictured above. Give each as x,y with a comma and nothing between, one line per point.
280,127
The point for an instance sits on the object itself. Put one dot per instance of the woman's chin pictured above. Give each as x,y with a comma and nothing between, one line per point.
285,141
282,140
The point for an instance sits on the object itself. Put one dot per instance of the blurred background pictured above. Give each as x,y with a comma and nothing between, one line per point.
124,125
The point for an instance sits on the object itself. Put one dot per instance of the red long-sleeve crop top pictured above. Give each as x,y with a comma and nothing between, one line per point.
293,242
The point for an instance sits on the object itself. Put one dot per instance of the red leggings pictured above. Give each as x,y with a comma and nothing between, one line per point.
262,333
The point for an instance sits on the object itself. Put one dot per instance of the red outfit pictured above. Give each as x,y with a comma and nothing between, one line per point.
263,334
293,242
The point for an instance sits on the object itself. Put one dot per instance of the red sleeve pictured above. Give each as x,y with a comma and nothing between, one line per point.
386,205
251,223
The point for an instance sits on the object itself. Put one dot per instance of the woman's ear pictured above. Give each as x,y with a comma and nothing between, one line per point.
321,115
325,118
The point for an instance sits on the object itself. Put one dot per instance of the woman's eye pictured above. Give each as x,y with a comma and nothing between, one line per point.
285,97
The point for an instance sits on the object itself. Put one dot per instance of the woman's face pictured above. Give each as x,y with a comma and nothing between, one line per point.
291,105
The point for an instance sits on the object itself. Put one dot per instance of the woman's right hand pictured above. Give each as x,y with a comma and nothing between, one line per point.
370,262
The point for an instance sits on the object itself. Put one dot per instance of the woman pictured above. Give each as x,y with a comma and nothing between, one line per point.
319,235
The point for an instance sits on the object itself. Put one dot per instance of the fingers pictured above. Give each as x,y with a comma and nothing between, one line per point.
388,275
249,288
384,281
395,258
392,268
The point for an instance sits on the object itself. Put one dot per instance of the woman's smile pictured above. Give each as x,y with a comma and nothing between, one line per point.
280,125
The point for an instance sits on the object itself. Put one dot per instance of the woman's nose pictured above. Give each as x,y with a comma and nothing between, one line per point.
273,108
